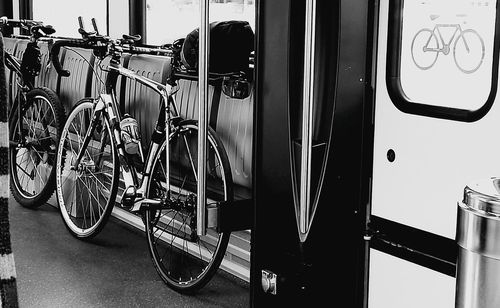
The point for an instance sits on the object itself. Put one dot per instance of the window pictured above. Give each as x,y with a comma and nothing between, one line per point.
168,20
118,18
63,15
443,58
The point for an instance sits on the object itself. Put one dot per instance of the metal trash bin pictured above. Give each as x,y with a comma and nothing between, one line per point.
478,238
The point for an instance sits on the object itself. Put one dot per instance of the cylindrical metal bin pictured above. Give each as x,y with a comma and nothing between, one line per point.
478,238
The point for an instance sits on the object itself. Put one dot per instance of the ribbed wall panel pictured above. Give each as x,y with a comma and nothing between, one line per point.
74,87
235,128
48,76
187,99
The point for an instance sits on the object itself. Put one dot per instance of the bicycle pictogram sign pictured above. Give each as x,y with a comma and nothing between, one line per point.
468,46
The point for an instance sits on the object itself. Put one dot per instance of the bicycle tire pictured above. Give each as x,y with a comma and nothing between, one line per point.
172,254
420,64
32,161
462,37
98,166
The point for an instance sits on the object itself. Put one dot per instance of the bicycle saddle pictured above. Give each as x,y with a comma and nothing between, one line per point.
434,16
48,29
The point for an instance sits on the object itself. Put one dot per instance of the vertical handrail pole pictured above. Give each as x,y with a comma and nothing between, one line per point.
307,112
203,56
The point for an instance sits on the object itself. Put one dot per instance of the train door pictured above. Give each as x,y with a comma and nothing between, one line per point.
310,180
436,120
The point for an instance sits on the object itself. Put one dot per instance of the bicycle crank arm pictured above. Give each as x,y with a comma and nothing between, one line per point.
139,204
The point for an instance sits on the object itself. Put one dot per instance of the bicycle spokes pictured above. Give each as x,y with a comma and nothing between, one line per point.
185,260
35,137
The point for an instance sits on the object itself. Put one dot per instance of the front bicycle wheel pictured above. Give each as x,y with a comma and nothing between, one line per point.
34,141
86,191
424,49
468,51
184,260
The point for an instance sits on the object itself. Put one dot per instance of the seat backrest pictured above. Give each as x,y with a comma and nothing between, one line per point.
187,99
77,86
232,119
234,126
48,76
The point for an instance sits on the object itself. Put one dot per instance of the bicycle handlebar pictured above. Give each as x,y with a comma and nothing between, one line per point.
92,40
54,53
19,23
95,42
37,28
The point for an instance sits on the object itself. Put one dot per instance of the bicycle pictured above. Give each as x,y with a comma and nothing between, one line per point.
95,143
33,139
427,44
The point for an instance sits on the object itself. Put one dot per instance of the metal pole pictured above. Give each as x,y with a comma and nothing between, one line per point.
203,56
307,112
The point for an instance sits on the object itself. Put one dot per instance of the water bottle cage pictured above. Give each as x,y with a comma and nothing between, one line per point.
130,135
131,145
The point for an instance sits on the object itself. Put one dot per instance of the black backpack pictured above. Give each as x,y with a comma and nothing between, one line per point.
231,43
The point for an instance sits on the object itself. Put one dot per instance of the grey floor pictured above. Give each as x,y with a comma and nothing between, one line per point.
114,270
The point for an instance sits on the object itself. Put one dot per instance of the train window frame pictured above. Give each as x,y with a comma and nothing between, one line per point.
393,74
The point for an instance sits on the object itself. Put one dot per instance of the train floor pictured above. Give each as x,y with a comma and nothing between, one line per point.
113,270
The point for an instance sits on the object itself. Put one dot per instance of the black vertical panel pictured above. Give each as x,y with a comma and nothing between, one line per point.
107,17
329,266
272,181
137,19
6,10
26,9
25,12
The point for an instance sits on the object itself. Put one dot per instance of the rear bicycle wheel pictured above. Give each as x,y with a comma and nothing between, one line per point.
32,157
86,193
185,261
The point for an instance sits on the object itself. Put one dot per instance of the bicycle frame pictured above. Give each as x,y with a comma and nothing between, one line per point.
445,46
106,106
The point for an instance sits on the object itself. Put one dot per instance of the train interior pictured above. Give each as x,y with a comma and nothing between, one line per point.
362,125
